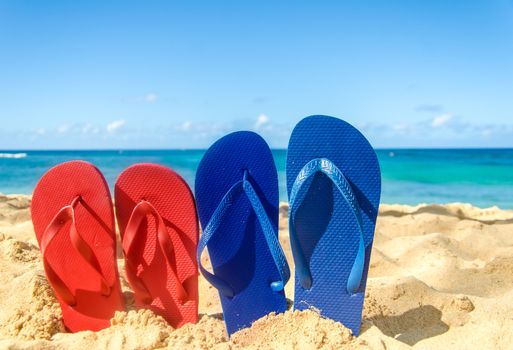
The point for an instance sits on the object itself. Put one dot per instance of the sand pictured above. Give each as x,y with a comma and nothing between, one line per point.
441,276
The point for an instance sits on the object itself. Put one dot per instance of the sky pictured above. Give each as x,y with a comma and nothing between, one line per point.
170,74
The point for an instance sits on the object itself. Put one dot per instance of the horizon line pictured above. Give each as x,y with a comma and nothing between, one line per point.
204,149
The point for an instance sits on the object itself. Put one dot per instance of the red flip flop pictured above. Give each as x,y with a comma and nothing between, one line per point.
74,225
157,220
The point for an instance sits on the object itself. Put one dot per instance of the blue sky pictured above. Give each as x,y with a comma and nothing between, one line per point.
162,74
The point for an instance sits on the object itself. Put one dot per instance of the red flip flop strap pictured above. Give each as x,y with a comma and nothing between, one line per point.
60,288
64,215
139,213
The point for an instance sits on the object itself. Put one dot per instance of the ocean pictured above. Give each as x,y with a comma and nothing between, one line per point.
483,177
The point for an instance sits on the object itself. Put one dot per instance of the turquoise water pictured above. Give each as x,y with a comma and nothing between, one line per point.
483,177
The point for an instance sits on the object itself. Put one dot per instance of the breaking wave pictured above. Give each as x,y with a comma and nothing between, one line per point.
13,155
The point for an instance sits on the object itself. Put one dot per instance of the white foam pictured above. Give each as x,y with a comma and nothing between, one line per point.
13,155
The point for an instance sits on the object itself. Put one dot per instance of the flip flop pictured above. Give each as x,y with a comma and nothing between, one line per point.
237,198
159,233
74,225
334,183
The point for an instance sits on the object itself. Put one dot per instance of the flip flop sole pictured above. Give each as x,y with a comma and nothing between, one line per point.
326,229
169,194
238,251
95,224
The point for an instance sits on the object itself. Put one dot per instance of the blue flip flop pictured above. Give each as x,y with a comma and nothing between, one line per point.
334,185
237,199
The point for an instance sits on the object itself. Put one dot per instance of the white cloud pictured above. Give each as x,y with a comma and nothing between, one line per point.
87,128
64,128
202,129
185,126
115,125
486,133
261,121
400,127
446,129
441,120
150,97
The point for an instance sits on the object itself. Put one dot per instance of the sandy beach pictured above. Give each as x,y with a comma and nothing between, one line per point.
441,276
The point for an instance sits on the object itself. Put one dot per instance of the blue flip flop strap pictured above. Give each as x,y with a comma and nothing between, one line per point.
270,236
297,195
269,232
